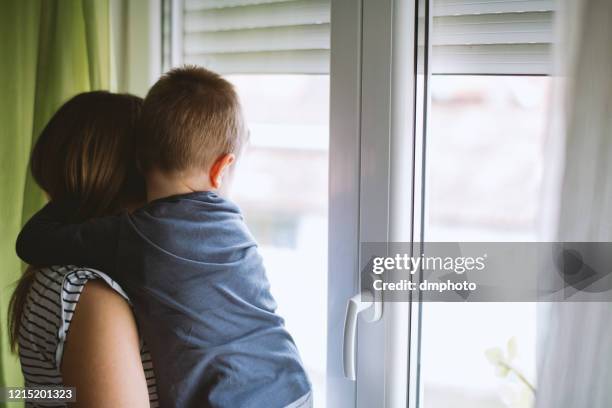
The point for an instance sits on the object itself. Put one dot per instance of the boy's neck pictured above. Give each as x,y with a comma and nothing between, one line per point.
162,184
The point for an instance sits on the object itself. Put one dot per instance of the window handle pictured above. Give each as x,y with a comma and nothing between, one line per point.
355,306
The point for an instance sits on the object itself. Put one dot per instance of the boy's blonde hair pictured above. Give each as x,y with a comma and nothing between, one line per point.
190,117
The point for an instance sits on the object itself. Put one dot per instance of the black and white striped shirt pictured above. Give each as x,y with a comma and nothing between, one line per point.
45,322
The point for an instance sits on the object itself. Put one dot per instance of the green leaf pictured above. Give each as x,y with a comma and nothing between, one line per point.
494,355
512,348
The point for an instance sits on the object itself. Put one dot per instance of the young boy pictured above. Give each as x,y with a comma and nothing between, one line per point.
186,259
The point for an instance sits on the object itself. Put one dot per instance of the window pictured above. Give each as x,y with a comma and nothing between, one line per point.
459,126
486,145
486,141
484,63
276,53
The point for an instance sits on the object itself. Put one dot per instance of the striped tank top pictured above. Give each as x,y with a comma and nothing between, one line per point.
45,322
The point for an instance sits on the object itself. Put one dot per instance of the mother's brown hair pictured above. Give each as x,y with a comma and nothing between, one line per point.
86,152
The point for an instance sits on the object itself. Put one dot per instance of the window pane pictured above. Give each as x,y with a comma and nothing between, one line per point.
485,156
281,186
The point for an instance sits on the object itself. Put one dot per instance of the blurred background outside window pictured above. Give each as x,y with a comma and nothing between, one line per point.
281,186
485,159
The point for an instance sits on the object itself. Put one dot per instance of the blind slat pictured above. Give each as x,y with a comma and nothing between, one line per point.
282,14
472,7
292,36
275,62
517,28
306,37
194,5
492,37
498,59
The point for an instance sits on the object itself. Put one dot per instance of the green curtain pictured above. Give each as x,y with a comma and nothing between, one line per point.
50,50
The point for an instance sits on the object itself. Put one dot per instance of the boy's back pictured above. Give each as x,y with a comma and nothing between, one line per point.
200,295
199,289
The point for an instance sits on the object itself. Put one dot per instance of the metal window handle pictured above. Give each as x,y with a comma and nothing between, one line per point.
356,305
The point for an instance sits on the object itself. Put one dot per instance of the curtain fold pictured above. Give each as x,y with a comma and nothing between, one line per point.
576,357
51,50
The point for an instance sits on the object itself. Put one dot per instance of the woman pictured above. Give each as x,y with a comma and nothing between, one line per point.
73,326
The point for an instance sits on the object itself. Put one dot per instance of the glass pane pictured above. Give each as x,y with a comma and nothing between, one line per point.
485,157
281,186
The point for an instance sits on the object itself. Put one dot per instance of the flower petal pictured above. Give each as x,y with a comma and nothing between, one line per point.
494,355
512,348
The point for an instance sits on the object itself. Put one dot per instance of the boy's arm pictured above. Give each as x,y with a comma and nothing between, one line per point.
49,239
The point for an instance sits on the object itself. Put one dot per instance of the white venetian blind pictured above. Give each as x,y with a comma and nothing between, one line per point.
257,36
492,36
293,36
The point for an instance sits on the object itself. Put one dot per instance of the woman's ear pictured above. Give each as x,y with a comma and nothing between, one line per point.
218,169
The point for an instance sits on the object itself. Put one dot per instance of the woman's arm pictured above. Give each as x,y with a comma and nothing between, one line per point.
102,352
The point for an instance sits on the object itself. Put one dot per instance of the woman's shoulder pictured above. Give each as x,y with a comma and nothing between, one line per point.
65,284
50,307
45,319
53,293
70,274
56,284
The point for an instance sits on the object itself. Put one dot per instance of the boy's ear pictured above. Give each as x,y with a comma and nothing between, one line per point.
219,167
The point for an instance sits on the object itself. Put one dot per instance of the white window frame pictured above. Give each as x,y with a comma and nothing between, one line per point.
373,181
374,176
379,104
135,45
